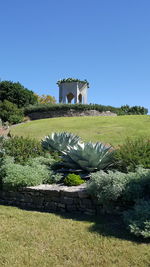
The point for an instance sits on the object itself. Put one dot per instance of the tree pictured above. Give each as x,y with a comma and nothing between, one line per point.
45,99
10,112
17,94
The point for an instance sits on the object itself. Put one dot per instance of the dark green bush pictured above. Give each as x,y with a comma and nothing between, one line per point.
10,112
135,110
73,179
132,153
16,118
23,148
137,219
137,186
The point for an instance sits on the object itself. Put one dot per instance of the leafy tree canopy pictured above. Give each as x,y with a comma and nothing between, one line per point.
17,94
45,99
10,112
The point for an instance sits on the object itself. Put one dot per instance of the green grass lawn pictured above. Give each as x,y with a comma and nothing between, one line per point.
107,129
30,238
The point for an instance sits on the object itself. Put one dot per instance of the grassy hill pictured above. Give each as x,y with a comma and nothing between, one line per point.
111,130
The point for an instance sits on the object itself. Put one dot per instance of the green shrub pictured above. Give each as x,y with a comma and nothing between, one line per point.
23,148
107,187
16,175
88,156
137,219
59,141
15,118
73,179
36,171
53,178
132,154
135,110
47,161
137,186
10,112
121,189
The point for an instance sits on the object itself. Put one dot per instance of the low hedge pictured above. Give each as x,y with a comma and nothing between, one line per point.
66,107
136,110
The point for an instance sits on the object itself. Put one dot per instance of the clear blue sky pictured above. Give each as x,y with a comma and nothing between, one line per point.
106,42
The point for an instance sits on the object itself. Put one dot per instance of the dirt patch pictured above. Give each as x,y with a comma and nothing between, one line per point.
4,131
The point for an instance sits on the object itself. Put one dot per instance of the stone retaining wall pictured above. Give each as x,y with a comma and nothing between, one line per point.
52,198
69,113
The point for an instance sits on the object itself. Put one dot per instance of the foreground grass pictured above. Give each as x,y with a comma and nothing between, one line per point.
112,130
31,239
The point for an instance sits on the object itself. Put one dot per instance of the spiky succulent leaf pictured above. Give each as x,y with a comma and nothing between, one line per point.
59,141
89,156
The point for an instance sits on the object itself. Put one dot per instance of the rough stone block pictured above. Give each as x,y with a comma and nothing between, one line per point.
90,212
71,194
55,199
87,203
76,200
71,208
83,194
61,205
67,200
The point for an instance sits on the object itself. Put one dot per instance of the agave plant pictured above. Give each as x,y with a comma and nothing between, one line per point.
89,157
60,141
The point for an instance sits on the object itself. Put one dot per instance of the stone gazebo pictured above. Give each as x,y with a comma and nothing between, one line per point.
73,90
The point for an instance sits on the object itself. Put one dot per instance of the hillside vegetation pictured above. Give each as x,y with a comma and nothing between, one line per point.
111,130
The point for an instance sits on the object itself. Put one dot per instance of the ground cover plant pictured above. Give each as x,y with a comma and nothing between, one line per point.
111,130
137,219
73,179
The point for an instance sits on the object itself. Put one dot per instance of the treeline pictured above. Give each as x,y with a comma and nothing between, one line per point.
14,97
